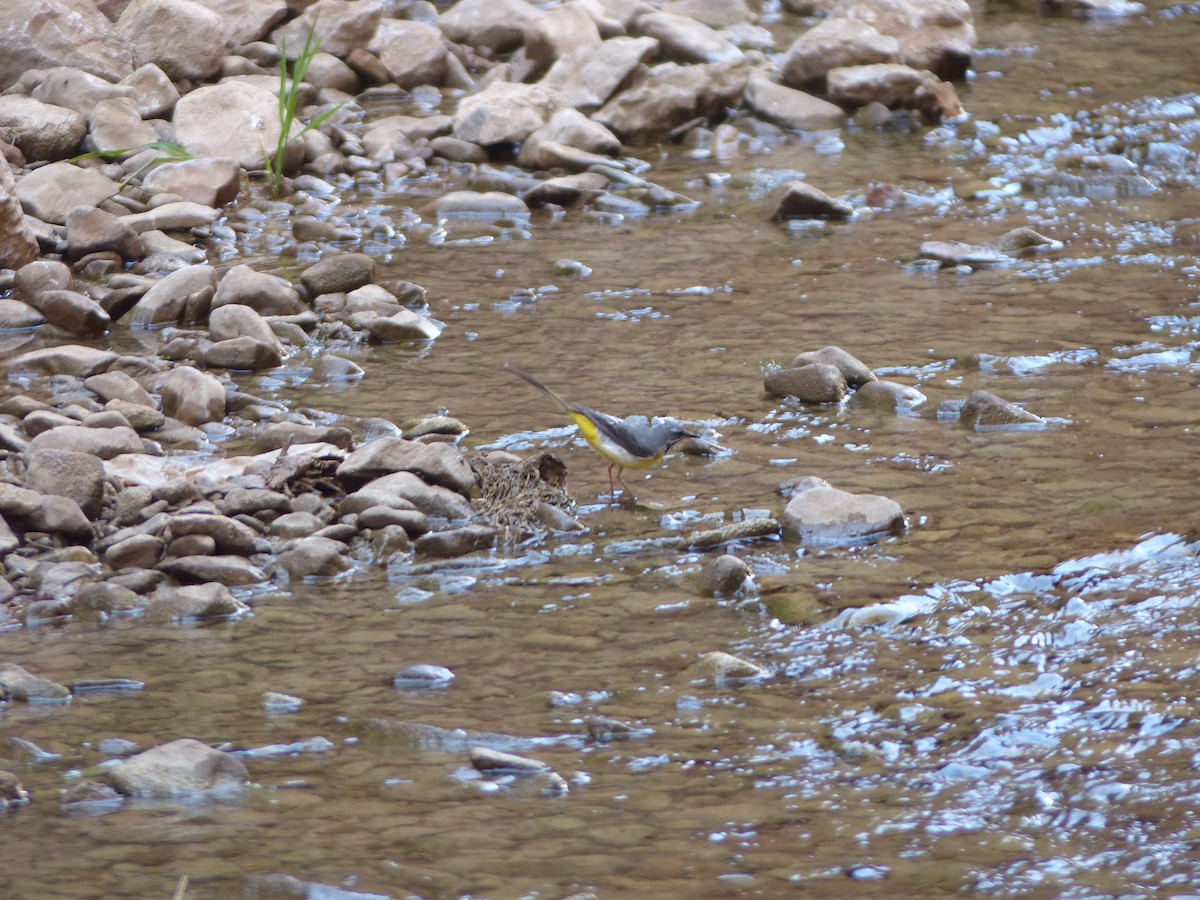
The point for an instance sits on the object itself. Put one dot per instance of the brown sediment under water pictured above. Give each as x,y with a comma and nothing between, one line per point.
1000,702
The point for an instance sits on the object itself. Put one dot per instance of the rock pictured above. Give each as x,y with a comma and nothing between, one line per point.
892,84
835,42
819,514
745,529
231,536
142,551
481,205
499,25
42,275
232,120
12,794
497,762
72,312
70,33
456,542
19,684
18,501
422,676
210,182
89,795
181,767
566,190
814,383
504,112
51,192
227,570
268,295
76,89
41,131
178,216
414,522
789,108
91,230
65,359
117,125
153,91
888,395
194,601
455,150
314,556
800,200
288,433
117,385
574,129
67,473
193,397
153,29
404,325
414,53
855,371
339,274
233,320
713,13
437,502
104,443
556,33
438,464
588,76
15,315
937,36
984,411
685,40
339,26
722,576
18,244
665,96
183,296
244,354
721,667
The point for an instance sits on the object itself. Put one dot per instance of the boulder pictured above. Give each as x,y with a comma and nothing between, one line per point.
72,312
819,514
179,768
70,33
888,395
438,464
65,359
117,124
668,95
800,200
434,501
813,383
18,244
265,294
102,443
339,274
193,397
504,112
244,354
855,371
232,120
51,192
243,21
92,230
153,28
339,25
558,32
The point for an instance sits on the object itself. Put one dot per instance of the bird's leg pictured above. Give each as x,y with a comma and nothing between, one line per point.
621,481
612,488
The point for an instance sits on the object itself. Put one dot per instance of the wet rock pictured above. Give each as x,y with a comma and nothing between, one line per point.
605,730
70,34
12,792
588,76
722,668
937,101
181,767
15,315
665,96
685,40
194,601
233,320
437,464
404,325
504,112
87,793
414,53
233,120
65,359
280,434
800,200
455,150
141,418
456,541
983,410
17,683
422,676
67,473
104,597
72,312
855,371
117,385
414,522
18,244
722,576
314,556
891,84
41,131
813,383
888,395
231,536
140,551
566,190
821,515
253,501
790,108
210,182
183,296
296,525
746,529
556,33
1023,241
268,295
275,703
1100,9
153,28
435,501
835,42
193,397
227,570
481,205
103,443
494,762
51,192
339,274
244,354
499,25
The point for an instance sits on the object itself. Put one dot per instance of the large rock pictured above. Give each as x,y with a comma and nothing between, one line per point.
193,397
892,84
67,473
211,182
269,295
588,76
499,25
181,767
42,34
40,130
813,383
72,312
243,21
685,40
790,108
65,359
183,296
244,354
339,25
985,411
854,370
414,53
342,273
234,120
937,35
504,112
832,43
102,443
18,244
92,230
153,29
439,464
155,93
433,500
821,515
668,95
50,193
234,320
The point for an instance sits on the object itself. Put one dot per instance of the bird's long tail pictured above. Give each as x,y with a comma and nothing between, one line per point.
567,408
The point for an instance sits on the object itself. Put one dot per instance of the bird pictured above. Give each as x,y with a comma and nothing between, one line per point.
634,442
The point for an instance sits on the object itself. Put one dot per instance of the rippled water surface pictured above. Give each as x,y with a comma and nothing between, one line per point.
1001,702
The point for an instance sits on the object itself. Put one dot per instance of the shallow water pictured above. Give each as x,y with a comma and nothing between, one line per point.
1014,719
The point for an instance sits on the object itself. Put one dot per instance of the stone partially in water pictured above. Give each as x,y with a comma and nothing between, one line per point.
984,410
812,383
800,200
181,767
437,464
822,515
855,371
722,576
17,683
888,395
721,667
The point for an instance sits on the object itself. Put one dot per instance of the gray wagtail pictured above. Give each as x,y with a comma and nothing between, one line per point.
631,443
